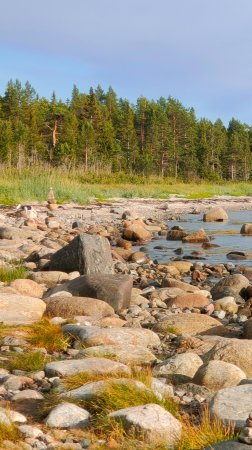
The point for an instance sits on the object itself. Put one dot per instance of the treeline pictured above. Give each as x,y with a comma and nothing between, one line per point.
98,130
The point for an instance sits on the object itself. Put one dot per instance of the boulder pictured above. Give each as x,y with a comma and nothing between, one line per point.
67,415
227,304
153,421
234,351
196,237
19,309
69,307
235,284
112,289
89,254
217,375
189,300
215,215
247,329
27,287
182,266
136,232
176,235
237,255
228,445
49,278
182,363
171,282
89,365
130,354
246,228
192,324
233,404
93,336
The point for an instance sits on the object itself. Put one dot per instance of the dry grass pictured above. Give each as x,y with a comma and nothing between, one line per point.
44,334
30,362
9,432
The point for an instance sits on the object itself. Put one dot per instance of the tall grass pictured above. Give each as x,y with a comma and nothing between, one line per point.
83,187
8,274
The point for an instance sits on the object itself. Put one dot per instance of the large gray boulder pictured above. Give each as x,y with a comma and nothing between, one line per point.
233,404
217,375
151,420
232,284
86,253
113,289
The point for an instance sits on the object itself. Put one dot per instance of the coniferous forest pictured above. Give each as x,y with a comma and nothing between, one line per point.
98,131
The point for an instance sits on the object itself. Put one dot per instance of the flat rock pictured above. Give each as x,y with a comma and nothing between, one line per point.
19,309
69,307
234,351
93,336
89,365
86,253
130,354
153,421
27,287
182,363
233,404
172,283
67,415
190,324
112,289
217,375
50,278
189,300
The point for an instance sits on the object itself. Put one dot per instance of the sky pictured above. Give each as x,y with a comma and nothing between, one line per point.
197,51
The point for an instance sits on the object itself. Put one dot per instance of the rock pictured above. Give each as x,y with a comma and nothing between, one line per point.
89,254
182,363
234,351
27,394
216,214
112,289
217,375
246,228
171,282
69,307
67,415
95,388
7,416
189,300
130,354
89,365
176,235
196,237
181,266
153,421
228,445
136,232
93,336
227,304
233,404
30,432
234,283
247,329
49,278
20,310
13,233
237,255
192,324
27,287
138,257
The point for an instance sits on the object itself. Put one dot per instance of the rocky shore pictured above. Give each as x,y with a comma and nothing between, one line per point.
174,337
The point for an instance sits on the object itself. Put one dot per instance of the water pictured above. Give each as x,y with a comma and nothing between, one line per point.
226,235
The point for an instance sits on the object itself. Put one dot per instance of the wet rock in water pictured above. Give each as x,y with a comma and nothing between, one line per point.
176,235
19,309
112,289
67,415
93,336
234,351
151,420
86,253
196,237
136,231
183,364
69,307
209,245
192,324
233,404
217,375
237,255
235,284
246,228
88,365
216,214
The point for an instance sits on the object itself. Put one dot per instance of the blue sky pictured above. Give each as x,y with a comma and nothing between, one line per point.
199,51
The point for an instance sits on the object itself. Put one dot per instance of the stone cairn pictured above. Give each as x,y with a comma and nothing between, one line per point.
246,434
51,201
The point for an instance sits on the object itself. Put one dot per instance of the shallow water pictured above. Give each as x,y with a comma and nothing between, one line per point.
225,234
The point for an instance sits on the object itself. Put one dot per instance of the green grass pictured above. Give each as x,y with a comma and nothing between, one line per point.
8,274
84,187
44,334
30,362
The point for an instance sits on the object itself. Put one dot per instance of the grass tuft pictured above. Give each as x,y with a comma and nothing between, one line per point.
8,274
30,362
44,334
9,432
